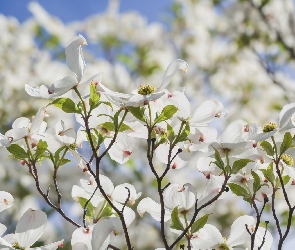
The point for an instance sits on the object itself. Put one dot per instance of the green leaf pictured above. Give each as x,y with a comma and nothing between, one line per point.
183,135
176,223
286,144
286,179
64,161
90,207
108,126
66,104
108,104
219,162
166,113
138,113
268,173
94,97
18,152
170,133
257,181
100,138
200,223
239,191
267,147
239,164
106,212
56,155
124,127
41,149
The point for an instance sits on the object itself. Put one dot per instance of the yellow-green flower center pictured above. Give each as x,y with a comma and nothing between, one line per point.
271,126
146,89
16,246
287,159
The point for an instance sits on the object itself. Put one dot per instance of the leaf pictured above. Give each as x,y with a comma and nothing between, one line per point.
56,155
286,144
18,152
41,149
219,162
100,138
286,179
239,191
184,135
106,212
267,147
170,133
257,181
94,97
124,127
138,113
166,113
268,173
64,161
239,164
66,104
108,126
176,223
90,207
200,223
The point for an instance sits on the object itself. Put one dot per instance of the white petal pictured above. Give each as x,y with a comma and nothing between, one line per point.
206,112
285,114
259,238
37,120
3,228
51,246
21,122
153,208
121,149
82,235
238,232
120,193
171,70
101,231
6,200
80,246
206,237
74,56
35,92
30,227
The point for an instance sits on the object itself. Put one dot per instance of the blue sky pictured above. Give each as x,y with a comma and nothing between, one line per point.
70,10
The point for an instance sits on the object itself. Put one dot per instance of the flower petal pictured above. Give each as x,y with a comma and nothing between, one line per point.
171,70
30,227
74,56
6,200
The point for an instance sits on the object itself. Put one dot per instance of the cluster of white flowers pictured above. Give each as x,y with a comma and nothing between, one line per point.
179,136
248,161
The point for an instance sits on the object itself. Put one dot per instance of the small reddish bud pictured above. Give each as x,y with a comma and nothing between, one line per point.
174,166
23,162
61,245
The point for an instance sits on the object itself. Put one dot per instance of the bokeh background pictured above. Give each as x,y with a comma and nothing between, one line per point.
240,52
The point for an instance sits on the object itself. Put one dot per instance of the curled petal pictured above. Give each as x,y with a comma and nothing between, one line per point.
74,56
153,208
171,70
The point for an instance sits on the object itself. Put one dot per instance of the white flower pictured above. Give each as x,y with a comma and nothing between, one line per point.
29,229
75,62
145,93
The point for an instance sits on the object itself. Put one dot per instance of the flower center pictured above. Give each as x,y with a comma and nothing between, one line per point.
287,159
146,89
271,126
